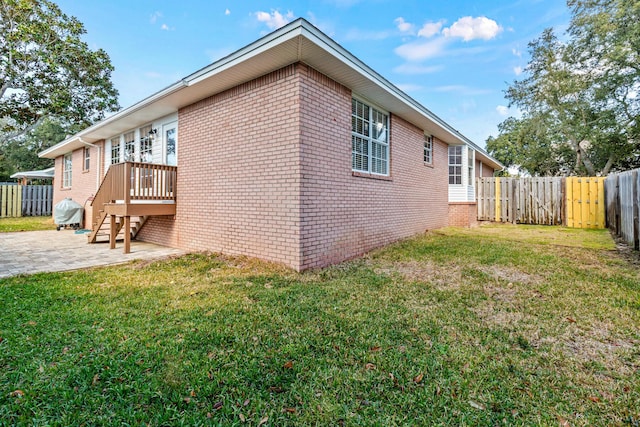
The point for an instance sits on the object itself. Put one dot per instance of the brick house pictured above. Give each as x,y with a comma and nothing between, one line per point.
291,150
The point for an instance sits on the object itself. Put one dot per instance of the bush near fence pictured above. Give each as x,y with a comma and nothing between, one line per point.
25,200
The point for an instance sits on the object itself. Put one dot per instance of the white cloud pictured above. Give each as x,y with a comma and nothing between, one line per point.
154,17
417,69
516,52
403,26
275,19
357,34
418,51
409,87
517,70
469,28
430,29
227,12
462,90
502,110
164,27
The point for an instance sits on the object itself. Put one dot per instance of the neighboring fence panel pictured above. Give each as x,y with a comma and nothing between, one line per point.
585,202
37,200
623,199
576,202
521,200
25,200
10,201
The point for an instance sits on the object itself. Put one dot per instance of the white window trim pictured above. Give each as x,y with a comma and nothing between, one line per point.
86,158
471,160
67,170
461,165
428,139
371,140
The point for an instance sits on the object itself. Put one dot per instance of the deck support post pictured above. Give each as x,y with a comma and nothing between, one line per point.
112,232
127,234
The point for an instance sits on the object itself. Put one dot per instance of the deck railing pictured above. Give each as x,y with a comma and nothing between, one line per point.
135,181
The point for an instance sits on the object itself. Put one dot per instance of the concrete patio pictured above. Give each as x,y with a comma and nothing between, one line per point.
48,251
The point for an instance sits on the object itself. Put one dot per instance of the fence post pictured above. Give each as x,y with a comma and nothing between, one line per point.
636,220
498,207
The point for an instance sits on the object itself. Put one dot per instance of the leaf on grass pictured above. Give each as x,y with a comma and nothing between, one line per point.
64,350
217,405
594,399
263,420
376,348
209,415
369,366
437,391
210,375
476,405
563,422
1,339
571,320
31,323
418,378
186,400
276,389
246,402
17,393
192,394
289,410
211,355
288,365
96,379
241,416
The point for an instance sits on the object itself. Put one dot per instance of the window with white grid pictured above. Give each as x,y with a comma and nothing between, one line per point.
66,170
130,146
86,156
369,139
470,164
146,144
455,164
428,149
115,150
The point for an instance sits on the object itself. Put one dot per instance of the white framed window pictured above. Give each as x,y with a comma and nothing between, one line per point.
67,166
455,164
86,158
115,150
130,146
369,139
470,163
428,149
146,144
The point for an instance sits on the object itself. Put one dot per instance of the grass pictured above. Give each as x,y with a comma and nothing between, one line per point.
496,325
26,223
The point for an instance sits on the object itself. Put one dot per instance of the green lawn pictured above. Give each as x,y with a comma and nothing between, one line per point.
26,223
497,325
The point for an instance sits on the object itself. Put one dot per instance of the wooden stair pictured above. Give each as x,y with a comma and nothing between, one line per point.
102,231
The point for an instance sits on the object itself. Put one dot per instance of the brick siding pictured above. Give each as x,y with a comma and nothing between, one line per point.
83,183
463,214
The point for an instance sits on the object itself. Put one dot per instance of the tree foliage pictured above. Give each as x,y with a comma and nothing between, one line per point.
579,99
20,154
47,71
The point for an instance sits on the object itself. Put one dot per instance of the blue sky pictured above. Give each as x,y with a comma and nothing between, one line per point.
454,57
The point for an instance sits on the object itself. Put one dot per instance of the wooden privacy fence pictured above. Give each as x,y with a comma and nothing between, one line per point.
575,201
622,199
26,200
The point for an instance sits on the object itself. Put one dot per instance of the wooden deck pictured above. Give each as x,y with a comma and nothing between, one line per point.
128,190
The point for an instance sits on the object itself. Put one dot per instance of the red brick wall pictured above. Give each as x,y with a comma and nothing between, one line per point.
239,173
343,215
463,214
83,183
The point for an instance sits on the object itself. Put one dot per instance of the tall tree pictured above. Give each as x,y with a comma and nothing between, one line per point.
579,98
47,71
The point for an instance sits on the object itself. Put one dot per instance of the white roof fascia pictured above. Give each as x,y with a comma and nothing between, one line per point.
132,109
